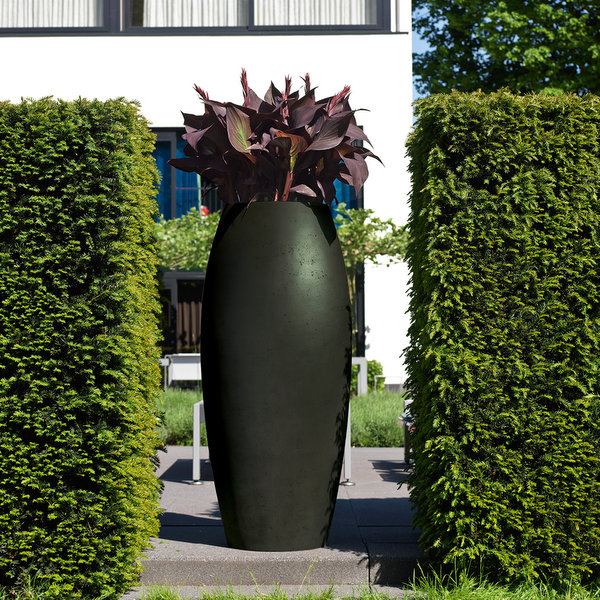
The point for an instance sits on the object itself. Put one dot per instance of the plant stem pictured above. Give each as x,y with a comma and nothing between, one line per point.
288,184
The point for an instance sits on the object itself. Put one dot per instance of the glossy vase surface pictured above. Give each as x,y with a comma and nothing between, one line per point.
276,363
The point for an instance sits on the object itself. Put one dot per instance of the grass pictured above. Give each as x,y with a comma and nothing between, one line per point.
374,418
463,587
432,587
229,593
457,587
176,406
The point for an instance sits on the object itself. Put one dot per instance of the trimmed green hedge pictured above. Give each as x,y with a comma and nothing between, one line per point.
79,374
504,360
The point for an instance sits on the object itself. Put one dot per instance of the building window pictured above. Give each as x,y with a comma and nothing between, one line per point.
51,14
285,13
197,17
189,13
257,14
179,191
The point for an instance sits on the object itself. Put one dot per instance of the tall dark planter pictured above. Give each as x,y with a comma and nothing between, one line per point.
276,359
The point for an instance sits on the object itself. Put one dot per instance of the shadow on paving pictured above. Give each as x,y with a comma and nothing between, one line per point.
181,470
393,514
394,471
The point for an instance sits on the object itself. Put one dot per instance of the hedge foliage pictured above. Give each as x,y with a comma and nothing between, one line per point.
504,360
79,375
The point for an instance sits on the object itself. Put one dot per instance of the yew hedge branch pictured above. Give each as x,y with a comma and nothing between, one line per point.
78,346
504,368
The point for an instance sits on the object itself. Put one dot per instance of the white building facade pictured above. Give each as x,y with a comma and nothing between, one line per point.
154,51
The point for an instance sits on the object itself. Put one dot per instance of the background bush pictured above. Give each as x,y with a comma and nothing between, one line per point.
185,244
374,368
78,346
503,360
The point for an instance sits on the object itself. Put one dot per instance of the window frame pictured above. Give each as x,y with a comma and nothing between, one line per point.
170,135
111,23
173,135
117,21
383,25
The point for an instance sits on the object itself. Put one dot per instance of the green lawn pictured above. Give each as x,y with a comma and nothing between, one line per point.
461,588
454,587
458,587
176,406
374,418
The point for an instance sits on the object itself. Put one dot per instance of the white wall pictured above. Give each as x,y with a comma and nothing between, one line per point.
160,73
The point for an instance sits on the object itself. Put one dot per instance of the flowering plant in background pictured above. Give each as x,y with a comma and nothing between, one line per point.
283,147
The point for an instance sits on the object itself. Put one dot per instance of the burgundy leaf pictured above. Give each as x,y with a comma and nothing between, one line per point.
254,101
302,116
346,178
365,152
280,146
307,160
304,190
218,108
345,148
184,164
298,144
193,137
357,133
317,124
328,190
194,121
331,134
357,167
265,138
306,100
256,146
272,95
238,128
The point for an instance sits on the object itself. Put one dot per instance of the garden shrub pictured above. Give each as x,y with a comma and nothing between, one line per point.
79,373
505,329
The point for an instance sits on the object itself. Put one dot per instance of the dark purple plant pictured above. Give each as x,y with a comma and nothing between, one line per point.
282,147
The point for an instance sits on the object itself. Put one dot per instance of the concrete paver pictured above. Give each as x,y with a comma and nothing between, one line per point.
371,542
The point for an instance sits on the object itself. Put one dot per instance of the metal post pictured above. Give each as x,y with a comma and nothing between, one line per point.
164,363
375,381
347,467
361,382
361,388
198,418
